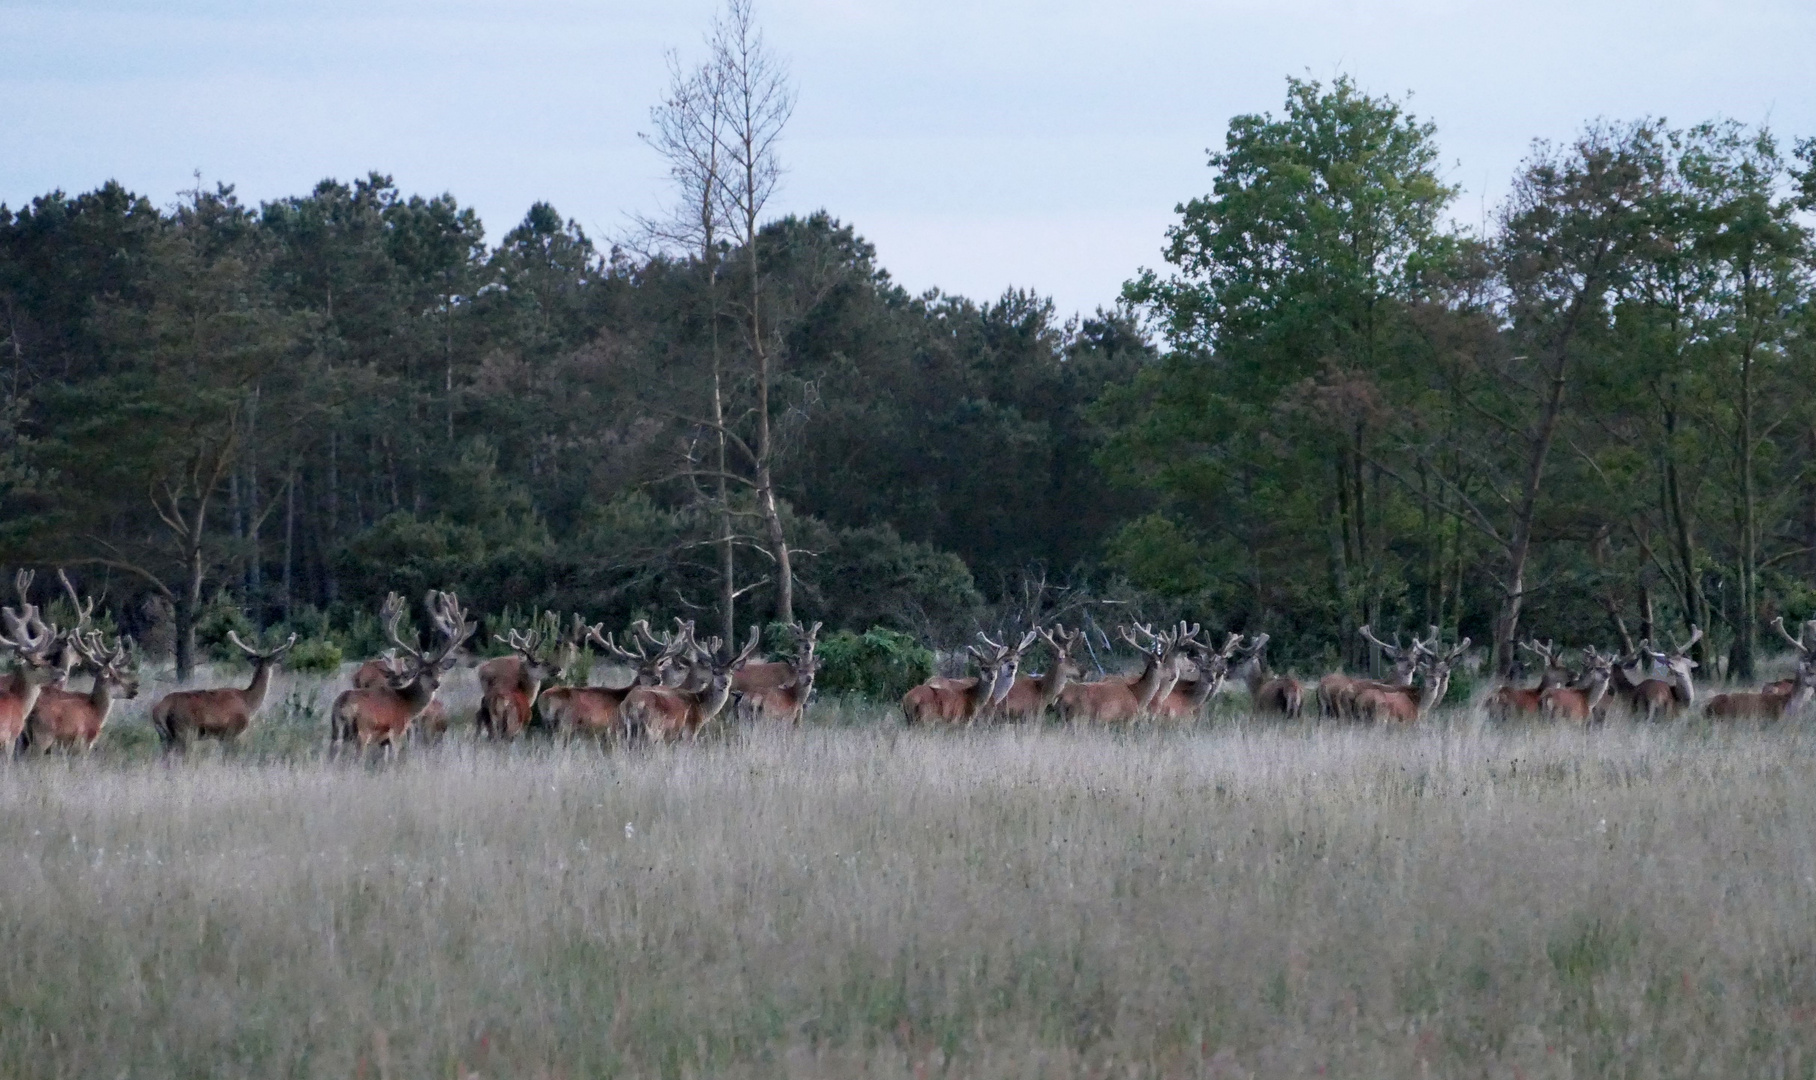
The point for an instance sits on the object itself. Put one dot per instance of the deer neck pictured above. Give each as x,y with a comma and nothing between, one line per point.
22,686
261,682
1204,688
1052,684
1253,674
981,692
417,693
712,701
1156,680
532,685
1683,687
101,697
1598,689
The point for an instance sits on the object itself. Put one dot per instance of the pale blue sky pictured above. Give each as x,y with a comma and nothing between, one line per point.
978,145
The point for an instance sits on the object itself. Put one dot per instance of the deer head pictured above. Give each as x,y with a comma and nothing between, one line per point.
424,667
543,652
1435,667
1061,642
112,664
652,669
268,656
1405,658
1677,661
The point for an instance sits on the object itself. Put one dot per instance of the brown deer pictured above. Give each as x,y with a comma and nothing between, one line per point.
1407,704
593,710
1125,698
74,721
35,647
182,716
1030,696
1203,672
667,714
381,716
1808,629
431,724
787,701
759,677
1341,700
1657,698
1579,703
965,701
1337,692
1511,701
1774,701
510,685
1278,695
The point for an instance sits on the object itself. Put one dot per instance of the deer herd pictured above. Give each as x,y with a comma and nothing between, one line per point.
679,685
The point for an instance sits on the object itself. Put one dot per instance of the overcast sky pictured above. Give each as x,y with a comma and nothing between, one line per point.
980,145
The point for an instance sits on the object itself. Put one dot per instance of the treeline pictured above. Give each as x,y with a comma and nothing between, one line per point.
322,398
1335,407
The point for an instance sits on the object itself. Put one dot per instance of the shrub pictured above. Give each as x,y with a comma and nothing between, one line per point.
315,655
880,664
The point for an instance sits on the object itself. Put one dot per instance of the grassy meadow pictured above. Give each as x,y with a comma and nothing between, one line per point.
1242,899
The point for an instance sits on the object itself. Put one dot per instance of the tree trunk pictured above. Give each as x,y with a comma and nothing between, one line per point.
289,537
766,489
1747,620
325,539
1513,600
187,608
255,578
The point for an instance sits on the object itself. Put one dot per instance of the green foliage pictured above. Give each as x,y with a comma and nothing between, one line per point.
872,577
1158,554
1350,420
316,655
880,664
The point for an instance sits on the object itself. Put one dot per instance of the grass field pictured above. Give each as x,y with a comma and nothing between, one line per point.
853,899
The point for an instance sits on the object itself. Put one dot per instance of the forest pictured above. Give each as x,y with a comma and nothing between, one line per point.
1330,405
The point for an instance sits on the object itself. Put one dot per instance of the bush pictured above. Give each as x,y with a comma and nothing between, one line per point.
879,664
315,655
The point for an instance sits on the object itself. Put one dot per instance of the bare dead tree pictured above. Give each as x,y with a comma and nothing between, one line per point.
687,129
758,102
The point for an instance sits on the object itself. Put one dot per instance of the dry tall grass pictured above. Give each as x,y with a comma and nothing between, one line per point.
1244,900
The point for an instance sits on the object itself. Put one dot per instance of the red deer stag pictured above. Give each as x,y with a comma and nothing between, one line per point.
759,677
34,644
1787,697
1660,698
382,715
1408,704
1337,691
968,700
593,710
1512,701
183,716
510,685
786,701
74,721
1579,703
1203,672
1030,696
1121,699
1341,702
667,714
1278,695
377,674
